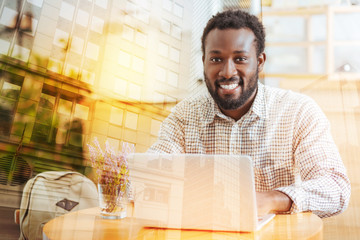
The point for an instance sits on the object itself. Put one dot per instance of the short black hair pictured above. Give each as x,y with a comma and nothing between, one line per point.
236,19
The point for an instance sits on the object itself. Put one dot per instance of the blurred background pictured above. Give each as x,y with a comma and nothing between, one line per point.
72,70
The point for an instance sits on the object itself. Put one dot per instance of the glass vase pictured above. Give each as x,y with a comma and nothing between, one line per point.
112,201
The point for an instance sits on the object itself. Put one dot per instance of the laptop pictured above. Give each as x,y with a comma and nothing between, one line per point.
195,191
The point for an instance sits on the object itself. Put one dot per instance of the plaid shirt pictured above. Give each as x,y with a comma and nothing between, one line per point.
286,134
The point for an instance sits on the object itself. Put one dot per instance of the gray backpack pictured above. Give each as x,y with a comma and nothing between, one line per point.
51,194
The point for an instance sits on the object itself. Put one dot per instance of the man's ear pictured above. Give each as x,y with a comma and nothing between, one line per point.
261,61
203,58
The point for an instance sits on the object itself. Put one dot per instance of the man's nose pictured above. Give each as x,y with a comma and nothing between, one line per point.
228,70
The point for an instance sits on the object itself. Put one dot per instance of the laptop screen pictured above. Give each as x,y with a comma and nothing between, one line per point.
204,192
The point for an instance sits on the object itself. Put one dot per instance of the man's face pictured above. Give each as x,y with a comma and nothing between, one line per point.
231,67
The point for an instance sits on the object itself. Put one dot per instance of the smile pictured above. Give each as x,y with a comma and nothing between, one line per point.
229,86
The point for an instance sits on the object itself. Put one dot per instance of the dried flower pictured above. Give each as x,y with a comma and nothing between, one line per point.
111,170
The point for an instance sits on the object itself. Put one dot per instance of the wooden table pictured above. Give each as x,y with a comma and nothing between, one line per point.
88,224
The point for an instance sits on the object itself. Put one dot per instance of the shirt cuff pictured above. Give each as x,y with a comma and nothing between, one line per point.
298,197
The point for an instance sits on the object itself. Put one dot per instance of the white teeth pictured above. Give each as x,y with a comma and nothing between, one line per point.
230,86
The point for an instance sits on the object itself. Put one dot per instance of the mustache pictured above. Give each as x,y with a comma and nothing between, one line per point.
229,80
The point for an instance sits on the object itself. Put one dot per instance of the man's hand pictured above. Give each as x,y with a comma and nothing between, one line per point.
272,201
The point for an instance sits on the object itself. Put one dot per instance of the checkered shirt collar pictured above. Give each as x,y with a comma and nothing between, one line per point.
258,107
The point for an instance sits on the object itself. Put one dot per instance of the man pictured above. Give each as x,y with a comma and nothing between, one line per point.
297,165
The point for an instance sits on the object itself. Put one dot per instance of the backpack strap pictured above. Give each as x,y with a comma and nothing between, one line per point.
27,207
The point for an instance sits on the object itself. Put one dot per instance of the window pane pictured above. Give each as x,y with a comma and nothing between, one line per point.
124,59
178,10
62,125
165,26
47,101
44,116
138,64
10,90
64,107
5,118
163,49
175,55
92,51
173,78
81,111
167,4
116,115
77,133
7,17
97,24
82,18
128,33
76,139
160,74
40,133
67,11
141,39
176,32
7,105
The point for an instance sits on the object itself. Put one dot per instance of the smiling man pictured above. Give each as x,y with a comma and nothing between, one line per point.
297,165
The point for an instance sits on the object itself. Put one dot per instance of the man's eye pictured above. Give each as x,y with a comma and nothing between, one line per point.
215,59
240,59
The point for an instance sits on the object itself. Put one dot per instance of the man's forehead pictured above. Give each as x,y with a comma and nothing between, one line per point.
242,39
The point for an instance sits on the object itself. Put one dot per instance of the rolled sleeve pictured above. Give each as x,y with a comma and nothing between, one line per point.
324,187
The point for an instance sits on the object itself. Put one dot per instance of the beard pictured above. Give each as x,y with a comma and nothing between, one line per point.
228,102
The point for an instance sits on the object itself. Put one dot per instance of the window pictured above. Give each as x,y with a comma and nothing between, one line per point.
140,39
67,11
178,10
134,91
116,116
102,3
164,164
173,78
156,194
160,74
61,38
7,17
176,32
21,53
97,24
62,120
10,87
155,127
38,3
71,71
165,26
138,64
77,45
128,33
131,120
82,18
120,86
88,77
54,65
175,8
124,59
167,5
143,15
163,49
92,51
4,46
175,54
